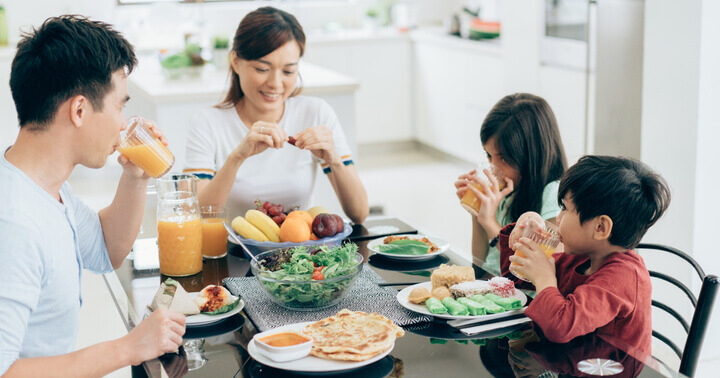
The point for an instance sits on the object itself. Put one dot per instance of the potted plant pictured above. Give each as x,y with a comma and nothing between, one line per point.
221,57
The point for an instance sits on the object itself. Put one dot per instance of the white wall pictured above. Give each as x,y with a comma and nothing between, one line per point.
679,128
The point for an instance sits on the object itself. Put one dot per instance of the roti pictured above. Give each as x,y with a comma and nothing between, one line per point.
352,335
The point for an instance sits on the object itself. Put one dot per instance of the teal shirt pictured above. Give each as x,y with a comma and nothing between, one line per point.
549,210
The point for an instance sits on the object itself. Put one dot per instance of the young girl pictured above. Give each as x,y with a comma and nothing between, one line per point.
521,138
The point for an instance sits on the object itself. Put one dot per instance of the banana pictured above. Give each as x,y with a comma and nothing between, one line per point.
314,211
265,224
247,230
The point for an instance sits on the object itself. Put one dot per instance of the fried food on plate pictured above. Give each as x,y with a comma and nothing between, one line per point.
352,335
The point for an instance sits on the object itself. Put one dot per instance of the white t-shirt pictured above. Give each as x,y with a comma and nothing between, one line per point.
44,246
283,176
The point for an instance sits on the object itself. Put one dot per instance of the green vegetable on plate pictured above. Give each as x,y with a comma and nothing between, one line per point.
405,247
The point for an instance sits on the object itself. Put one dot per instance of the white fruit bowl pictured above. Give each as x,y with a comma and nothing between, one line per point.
257,247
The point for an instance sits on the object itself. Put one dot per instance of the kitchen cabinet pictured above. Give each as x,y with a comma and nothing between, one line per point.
455,87
8,115
383,68
564,90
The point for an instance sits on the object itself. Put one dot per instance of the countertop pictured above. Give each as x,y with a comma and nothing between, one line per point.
149,80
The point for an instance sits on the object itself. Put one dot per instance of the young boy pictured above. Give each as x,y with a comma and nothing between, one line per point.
599,282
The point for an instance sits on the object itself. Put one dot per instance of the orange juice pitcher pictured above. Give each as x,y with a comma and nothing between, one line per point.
179,226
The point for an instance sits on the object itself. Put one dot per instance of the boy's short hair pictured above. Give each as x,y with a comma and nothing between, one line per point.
625,190
66,56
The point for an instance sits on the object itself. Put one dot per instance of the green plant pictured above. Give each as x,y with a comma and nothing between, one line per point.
220,42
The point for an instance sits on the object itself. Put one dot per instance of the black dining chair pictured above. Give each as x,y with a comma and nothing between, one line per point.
702,304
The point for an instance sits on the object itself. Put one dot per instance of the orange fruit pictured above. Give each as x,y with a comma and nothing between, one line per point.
304,215
294,230
313,237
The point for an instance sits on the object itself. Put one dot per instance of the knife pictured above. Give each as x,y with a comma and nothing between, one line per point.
496,325
464,323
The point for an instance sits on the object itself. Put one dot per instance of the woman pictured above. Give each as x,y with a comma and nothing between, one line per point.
238,148
521,139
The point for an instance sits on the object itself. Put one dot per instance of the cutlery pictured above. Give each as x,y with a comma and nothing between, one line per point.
496,325
463,323
398,283
237,239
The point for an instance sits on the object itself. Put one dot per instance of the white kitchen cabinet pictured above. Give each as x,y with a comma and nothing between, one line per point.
8,116
383,68
564,90
455,87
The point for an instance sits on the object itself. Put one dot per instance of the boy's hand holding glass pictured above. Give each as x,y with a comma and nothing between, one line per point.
521,224
532,260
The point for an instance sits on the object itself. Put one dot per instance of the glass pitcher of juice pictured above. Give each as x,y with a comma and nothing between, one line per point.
469,201
179,226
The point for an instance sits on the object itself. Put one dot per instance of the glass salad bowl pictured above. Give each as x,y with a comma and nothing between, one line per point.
289,276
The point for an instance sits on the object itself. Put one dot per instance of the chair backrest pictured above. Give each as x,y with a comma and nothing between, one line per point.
702,304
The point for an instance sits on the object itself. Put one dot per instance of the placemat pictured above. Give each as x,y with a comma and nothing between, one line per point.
365,296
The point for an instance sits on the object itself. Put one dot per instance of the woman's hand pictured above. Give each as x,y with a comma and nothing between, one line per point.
461,185
535,266
522,223
489,197
132,170
261,136
318,140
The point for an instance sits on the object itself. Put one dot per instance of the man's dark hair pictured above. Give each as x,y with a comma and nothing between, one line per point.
625,190
66,56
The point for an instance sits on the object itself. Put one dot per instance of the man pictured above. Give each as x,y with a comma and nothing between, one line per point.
69,84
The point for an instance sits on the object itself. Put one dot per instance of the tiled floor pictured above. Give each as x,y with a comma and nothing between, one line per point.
408,180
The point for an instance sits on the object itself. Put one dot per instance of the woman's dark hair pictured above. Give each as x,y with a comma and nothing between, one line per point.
528,139
625,190
261,32
66,56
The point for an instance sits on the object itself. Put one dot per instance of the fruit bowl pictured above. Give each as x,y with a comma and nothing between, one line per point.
257,247
304,293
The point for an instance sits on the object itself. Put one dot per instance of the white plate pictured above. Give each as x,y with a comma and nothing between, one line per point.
442,245
309,364
402,297
202,319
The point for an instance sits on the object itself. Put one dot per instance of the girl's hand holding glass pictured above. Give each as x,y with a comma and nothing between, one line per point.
489,194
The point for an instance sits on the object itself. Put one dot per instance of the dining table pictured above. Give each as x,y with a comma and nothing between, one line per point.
431,348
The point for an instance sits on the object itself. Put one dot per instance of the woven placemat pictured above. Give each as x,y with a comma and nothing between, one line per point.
365,295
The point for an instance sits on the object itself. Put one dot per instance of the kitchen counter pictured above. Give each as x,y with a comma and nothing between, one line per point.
149,81
437,35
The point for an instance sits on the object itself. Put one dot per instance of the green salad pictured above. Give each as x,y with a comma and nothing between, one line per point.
305,267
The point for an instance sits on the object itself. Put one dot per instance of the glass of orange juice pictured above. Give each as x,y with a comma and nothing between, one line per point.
144,149
546,238
179,226
214,234
469,201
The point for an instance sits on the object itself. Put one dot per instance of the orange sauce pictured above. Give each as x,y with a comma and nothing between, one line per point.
284,339
154,158
214,238
180,247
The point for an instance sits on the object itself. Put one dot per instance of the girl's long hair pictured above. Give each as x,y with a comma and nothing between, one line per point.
528,138
261,32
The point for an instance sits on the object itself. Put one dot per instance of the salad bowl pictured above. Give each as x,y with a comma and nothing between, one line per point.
307,278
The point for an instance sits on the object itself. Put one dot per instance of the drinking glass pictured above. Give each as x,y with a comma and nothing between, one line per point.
469,201
546,238
144,149
214,234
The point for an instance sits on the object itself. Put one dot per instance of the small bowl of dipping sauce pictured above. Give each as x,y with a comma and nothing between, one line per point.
283,346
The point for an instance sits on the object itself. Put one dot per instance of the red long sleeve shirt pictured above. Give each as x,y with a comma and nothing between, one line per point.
615,300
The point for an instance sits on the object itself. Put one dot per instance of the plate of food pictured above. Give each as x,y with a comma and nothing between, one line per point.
454,293
210,305
408,247
345,341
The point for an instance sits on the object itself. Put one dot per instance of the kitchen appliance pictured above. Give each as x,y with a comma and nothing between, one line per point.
604,39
